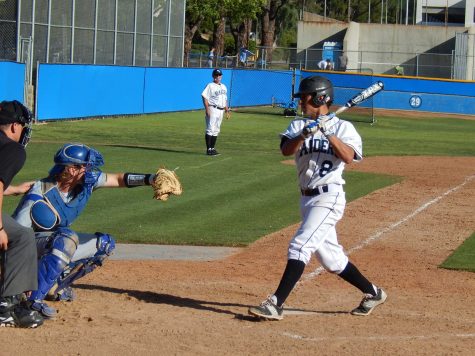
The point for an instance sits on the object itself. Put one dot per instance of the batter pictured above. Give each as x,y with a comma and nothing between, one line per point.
322,145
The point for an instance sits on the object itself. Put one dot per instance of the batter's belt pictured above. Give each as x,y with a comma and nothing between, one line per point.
217,107
321,189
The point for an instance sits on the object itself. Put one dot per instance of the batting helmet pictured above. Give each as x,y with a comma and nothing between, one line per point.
217,73
14,111
320,88
76,153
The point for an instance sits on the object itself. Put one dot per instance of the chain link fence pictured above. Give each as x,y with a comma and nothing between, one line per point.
118,32
8,30
432,65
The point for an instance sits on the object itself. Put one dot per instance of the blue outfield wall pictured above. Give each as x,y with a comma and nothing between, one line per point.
406,93
257,87
68,91
12,85
177,89
75,91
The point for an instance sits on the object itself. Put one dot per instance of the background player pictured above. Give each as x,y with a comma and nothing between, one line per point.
321,152
215,101
52,205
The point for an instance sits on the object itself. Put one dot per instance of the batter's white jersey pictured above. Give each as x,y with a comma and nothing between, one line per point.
216,94
316,162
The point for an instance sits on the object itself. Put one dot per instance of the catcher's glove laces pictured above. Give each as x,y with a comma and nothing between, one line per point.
166,182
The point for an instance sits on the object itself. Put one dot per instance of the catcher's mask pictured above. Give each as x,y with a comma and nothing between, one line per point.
14,111
77,154
320,88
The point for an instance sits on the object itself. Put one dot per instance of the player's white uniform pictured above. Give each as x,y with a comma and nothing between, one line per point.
323,198
217,97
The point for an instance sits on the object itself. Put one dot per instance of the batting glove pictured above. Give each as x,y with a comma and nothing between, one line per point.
326,125
310,128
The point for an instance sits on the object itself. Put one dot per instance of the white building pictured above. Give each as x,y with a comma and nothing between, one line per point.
445,12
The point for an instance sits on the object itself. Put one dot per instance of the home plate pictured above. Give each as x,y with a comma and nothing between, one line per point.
299,312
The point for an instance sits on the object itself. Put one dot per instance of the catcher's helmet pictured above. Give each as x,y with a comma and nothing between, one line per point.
14,111
76,153
217,73
320,88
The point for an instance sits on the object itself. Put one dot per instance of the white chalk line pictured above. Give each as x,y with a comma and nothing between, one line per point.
378,337
210,163
391,227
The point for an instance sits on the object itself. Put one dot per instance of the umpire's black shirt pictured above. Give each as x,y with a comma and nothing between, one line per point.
12,159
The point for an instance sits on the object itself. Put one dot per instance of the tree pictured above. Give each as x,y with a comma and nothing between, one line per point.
241,14
196,12
268,22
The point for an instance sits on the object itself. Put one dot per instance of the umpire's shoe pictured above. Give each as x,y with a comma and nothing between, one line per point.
268,310
370,302
17,313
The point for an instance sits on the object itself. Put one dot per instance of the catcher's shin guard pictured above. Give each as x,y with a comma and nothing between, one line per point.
51,265
105,246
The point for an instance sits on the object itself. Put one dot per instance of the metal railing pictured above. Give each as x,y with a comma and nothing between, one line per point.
433,65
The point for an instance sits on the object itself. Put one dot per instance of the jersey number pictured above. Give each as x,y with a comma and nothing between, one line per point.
325,168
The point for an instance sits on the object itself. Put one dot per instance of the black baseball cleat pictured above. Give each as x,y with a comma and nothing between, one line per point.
212,152
17,313
267,310
370,302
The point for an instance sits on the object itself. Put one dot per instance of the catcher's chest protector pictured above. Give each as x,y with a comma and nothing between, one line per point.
50,211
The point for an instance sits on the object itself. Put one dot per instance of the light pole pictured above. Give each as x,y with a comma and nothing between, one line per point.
349,11
369,11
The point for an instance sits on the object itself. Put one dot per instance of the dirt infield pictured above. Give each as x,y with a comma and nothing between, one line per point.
397,236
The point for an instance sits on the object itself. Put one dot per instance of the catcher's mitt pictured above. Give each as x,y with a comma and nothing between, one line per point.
166,182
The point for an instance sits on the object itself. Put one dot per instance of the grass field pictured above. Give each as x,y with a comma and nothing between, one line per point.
229,200
463,258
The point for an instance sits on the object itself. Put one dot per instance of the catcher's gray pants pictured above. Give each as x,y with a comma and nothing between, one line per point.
19,265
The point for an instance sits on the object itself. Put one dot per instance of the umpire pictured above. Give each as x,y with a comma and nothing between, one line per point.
18,255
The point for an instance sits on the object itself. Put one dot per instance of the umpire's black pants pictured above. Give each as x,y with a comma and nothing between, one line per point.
19,265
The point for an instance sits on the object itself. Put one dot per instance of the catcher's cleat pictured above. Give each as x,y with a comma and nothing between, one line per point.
370,302
267,310
44,309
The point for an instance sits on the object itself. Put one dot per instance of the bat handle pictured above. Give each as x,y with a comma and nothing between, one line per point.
341,109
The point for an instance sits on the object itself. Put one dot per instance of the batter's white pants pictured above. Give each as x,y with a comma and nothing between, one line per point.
213,122
317,233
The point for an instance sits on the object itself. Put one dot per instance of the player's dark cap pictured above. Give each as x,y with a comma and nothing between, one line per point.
14,111
217,73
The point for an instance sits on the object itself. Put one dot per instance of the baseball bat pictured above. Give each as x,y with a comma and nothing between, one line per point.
364,95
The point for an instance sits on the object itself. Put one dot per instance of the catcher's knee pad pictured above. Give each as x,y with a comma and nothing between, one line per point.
105,244
65,243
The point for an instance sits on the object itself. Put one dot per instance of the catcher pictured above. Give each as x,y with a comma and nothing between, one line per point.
53,203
